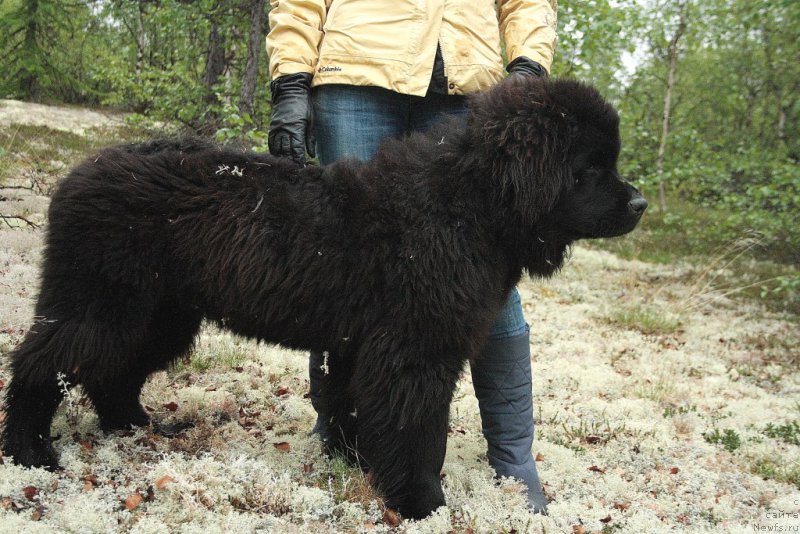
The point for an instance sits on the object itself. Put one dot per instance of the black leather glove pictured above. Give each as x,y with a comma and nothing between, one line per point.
523,66
291,131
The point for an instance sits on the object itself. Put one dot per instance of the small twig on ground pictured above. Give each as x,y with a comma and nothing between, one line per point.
18,217
23,187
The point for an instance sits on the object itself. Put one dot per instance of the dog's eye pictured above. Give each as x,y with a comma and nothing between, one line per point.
585,172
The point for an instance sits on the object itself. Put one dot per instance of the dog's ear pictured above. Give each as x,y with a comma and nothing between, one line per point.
525,138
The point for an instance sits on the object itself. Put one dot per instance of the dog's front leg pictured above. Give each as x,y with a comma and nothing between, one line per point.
402,428
425,450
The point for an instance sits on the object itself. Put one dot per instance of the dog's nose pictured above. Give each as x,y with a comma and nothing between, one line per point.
637,205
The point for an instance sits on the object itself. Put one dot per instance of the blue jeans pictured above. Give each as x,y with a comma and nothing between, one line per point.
353,120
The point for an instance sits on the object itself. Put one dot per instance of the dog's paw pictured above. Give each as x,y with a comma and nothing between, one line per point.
32,452
422,500
124,418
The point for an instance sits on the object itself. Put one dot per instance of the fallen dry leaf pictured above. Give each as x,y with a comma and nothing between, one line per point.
89,482
621,506
606,519
674,471
539,457
38,513
30,492
282,446
578,529
8,504
133,501
391,518
596,469
162,482
171,406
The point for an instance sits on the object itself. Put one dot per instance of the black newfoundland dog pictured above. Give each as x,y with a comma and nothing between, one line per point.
396,266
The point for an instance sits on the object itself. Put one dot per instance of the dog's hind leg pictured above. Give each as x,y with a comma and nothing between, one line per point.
117,401
38,374
26,436
403,408
115,395
335,406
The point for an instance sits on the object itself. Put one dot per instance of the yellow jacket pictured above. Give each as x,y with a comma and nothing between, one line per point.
392,43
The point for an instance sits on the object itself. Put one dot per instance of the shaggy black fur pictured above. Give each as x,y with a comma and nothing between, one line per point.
396,266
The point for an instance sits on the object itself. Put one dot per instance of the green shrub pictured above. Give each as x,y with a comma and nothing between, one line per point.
728,438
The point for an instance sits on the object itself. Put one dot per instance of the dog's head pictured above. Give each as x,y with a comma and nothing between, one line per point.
553,146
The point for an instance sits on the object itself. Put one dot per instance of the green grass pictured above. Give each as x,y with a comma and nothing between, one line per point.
222,356
575,435
769,469
658,390
592,432
672,411
348,482
755,267
647,321
38,152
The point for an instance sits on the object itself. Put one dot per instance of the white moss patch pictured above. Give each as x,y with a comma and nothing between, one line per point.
75,120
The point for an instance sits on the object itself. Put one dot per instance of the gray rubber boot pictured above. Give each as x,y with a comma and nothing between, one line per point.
502,379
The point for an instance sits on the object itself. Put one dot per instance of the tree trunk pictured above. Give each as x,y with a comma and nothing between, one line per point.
255,43
662,146
30,81
782,124
215,60
140,40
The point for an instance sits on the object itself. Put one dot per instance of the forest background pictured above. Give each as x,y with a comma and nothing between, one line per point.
709,95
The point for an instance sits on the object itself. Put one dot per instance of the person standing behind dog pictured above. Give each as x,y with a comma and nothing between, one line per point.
385,68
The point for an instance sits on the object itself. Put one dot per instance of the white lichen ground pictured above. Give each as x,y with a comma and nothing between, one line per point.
620,415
